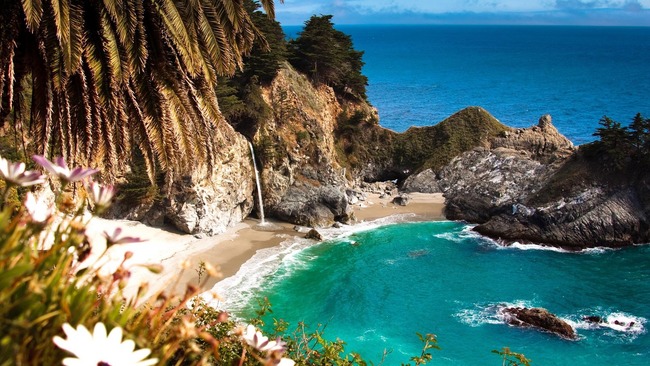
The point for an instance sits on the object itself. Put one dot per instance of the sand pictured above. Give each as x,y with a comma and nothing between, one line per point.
181,254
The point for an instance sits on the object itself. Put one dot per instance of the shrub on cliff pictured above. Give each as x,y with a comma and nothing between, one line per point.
239,95
327,56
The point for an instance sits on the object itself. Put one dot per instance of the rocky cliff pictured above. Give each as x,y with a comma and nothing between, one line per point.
532,185
302,180
314,148
203,201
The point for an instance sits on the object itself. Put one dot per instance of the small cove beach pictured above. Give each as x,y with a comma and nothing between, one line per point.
181,254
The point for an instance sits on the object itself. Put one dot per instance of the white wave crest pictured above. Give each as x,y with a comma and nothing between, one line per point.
491,313
520,246
235,291
617,321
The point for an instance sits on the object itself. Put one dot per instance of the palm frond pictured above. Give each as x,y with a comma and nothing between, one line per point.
107,75
33,10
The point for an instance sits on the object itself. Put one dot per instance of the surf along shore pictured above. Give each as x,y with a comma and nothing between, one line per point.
181,254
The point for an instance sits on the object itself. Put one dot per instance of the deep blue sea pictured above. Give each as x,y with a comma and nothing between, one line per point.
376,284
420,75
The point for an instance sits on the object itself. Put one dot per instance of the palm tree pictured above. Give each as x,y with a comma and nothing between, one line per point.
89,79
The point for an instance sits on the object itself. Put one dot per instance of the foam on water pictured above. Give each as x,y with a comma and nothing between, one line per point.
491,313
612,323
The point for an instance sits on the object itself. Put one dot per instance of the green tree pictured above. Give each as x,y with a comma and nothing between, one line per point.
640,132
239,95
327,56
614,139
110,74
269,52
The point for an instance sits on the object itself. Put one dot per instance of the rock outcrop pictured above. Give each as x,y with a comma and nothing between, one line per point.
580,206
205,200
532,185
302,181
539,318
209,201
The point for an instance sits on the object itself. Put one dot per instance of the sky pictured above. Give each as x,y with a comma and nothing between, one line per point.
530,12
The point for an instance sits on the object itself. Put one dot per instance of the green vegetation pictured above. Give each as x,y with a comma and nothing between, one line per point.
620,157
328,57
239,95
512,358
434,147
360,141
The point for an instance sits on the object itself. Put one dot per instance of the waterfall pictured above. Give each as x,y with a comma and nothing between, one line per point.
259,188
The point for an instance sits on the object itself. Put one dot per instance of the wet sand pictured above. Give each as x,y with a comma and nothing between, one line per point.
181,254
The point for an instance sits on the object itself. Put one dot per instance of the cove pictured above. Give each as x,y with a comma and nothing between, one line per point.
375,289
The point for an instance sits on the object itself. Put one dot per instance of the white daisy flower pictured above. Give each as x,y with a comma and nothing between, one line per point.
260,342
116,238
101,194
60,169
100,349
15,173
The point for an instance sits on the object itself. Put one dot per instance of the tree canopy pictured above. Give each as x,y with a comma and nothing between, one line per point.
620,142
328,56
89,79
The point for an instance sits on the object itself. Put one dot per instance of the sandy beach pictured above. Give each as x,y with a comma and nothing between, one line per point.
181,254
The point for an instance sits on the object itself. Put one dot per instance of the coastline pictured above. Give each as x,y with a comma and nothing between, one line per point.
181,254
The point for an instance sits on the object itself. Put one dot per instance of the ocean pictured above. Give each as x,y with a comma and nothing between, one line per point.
376,284
420,75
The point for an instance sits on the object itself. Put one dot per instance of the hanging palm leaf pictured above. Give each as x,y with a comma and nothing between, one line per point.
106,75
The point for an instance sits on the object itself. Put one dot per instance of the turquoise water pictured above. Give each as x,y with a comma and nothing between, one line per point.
419,75
375,289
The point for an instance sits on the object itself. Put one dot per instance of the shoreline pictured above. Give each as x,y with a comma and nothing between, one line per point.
181,254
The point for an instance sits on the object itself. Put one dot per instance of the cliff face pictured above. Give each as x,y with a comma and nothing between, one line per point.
582,204
209,201
205,201
302,180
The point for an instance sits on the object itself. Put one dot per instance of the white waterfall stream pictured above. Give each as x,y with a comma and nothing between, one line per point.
259,188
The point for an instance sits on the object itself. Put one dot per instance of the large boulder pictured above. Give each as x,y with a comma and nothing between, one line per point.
539,318
312,206
484,182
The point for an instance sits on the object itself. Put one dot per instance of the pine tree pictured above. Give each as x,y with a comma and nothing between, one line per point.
327,56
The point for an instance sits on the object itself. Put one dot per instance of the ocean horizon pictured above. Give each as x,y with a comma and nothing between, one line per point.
418,75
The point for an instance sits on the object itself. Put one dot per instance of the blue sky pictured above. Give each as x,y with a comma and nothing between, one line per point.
551,12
